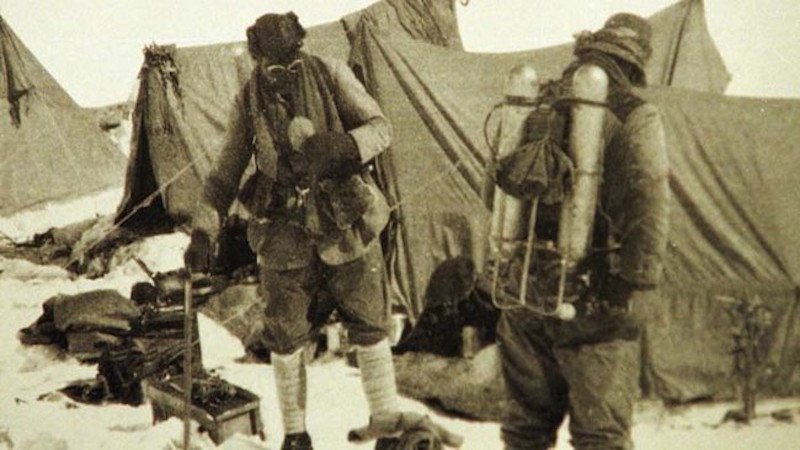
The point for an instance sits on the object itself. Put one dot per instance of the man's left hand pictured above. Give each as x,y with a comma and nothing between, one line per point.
332,155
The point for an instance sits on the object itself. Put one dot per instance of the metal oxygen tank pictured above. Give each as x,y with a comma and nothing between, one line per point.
590,84
509,214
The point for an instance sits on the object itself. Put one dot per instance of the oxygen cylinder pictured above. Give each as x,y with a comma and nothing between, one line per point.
509,213
589,83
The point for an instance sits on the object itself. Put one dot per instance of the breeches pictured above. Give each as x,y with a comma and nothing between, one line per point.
300,301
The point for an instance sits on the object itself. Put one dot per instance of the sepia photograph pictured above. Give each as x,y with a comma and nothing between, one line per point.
399,224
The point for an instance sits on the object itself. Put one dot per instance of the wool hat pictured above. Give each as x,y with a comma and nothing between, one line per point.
624,35
277,37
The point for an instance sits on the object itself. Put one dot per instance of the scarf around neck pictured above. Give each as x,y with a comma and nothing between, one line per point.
270,111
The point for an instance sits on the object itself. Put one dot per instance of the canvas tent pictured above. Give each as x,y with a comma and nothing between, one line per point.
734,232
730,160
50,148
185,95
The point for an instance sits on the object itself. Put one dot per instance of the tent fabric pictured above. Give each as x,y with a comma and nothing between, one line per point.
50,148
186,94
732,234
680,44
432,21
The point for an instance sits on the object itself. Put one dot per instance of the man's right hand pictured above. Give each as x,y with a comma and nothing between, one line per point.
199,254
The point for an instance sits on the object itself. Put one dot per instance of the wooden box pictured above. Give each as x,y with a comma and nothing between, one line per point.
241,414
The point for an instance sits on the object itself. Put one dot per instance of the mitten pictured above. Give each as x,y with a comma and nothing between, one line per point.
332,155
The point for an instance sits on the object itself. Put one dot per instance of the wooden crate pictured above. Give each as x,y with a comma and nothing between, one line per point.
240,415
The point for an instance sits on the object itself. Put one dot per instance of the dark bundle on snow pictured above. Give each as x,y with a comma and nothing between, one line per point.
451,303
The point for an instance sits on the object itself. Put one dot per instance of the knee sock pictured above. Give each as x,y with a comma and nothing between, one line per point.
290,381
377,377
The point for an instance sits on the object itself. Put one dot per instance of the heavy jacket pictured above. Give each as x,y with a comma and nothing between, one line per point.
280,230
588,367
634,196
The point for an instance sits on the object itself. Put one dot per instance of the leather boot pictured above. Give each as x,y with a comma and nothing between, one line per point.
297,441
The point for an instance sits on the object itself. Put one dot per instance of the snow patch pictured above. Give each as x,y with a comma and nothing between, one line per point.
33,415
160,253
23,226
226,348
23,270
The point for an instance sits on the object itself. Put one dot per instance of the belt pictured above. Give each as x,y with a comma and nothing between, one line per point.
299,198
291,197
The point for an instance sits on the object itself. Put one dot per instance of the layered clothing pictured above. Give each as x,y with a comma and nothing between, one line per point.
293,214
589,367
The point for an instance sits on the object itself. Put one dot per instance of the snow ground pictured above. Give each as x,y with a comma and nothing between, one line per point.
23,226
33,415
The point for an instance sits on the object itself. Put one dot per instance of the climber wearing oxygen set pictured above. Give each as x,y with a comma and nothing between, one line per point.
579,233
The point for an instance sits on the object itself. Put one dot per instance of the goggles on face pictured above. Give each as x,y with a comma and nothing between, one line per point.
279,70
